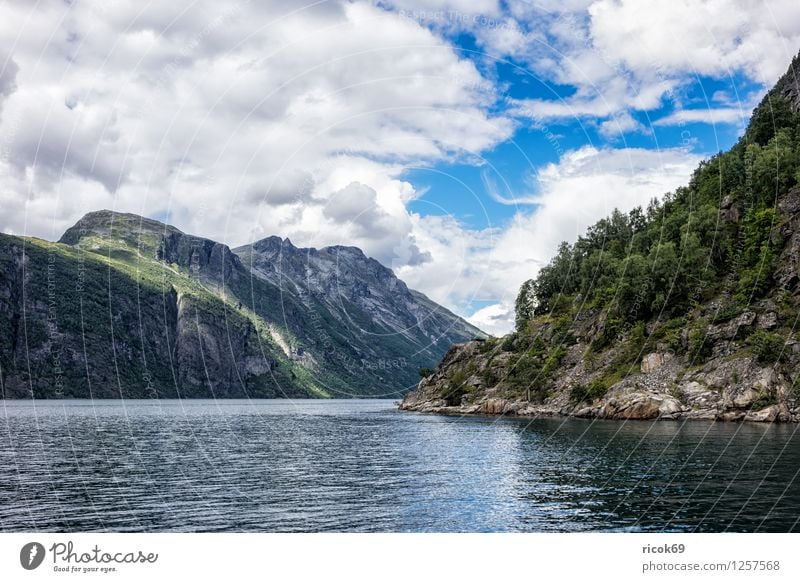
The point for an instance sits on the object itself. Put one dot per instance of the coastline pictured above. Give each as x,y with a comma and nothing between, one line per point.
664,387
500,407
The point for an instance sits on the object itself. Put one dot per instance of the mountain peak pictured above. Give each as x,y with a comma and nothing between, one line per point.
132,228
271,244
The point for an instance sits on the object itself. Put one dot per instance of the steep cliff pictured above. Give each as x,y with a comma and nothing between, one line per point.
686,309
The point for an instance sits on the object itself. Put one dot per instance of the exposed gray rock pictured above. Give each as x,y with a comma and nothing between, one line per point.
768,320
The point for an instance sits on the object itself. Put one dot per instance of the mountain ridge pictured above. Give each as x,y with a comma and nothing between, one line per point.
127,306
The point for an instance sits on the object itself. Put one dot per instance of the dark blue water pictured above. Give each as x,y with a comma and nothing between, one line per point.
359,465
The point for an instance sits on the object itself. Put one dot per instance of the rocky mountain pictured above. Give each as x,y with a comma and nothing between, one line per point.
686,309
126,306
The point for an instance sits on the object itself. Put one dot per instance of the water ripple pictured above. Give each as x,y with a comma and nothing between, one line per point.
362,466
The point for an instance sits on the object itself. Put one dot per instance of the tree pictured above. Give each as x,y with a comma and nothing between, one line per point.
525,304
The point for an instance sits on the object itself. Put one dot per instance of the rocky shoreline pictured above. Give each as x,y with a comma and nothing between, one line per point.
664,387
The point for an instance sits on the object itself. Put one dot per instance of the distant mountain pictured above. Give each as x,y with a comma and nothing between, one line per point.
126,306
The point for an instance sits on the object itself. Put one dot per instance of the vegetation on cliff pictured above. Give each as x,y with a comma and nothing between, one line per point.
704,277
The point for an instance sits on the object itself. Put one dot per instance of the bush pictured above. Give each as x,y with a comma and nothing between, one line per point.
456,388
553,360
597,388
507,344
764,402
700,347
612,327
487,345
728,312
669,333
768,347
425,373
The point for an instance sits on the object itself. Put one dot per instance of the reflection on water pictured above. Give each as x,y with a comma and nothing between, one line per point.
360,465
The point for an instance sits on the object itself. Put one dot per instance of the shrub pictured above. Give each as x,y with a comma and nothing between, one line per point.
787,310
456,388
487,345
553,360
597,388
669,333
764,402
425,373
700,347
728,312
768,347
611,330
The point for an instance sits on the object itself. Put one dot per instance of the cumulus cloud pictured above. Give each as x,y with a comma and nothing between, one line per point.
617,126
8,76
357,205
496,319
714,37
584,186
291,187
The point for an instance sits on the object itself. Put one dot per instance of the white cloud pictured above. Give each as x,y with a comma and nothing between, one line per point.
583,187
720,115
713,37
496,319
617,126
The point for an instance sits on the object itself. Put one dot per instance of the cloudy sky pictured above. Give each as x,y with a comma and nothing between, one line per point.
456,141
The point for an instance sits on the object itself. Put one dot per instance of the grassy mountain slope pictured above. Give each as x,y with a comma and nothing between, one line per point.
685,309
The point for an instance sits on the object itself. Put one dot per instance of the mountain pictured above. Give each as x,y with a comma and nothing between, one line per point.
685,309
126,306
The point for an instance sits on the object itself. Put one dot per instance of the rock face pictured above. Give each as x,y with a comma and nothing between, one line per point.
354,285
652,362
789,85
128,306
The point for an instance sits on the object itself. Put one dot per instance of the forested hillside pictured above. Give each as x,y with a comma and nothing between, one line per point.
685,308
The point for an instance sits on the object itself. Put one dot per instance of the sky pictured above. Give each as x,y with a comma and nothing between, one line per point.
456,142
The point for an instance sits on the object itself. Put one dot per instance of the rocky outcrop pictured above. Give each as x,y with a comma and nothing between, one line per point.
788,87
724,388
211,261
652,362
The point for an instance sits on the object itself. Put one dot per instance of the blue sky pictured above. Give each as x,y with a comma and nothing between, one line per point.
508,171
458,142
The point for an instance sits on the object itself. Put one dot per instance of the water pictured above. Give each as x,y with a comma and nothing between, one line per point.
361,465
